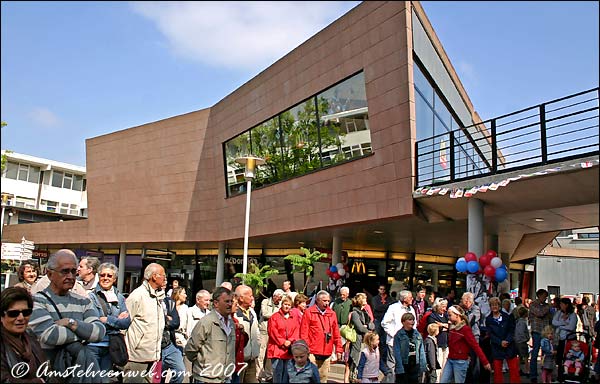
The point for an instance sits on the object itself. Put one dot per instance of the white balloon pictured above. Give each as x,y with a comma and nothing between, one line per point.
339,266
461,258
496,262
341,271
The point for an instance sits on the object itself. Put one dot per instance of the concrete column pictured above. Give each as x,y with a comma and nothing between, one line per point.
220,264
336,250
434,278
476,230
122,262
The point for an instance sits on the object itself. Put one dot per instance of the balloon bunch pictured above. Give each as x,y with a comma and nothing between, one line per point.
489,264
338,271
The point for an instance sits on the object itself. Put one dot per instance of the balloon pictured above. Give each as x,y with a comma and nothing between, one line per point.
341,271
461,265
491,254
503,266
335,276
501,275
489,271
339,266
472,266
328,272
470,256
496,262
347,268
333,269
484,261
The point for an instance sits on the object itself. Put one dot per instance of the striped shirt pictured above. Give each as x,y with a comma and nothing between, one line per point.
71,306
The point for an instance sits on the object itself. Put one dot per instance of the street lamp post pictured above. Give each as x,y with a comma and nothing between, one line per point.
5,197
250,162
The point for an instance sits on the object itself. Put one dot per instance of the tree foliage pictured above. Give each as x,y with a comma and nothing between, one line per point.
305,263
256,278
3,165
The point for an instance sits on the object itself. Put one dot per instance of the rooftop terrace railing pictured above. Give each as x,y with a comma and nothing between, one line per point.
558,130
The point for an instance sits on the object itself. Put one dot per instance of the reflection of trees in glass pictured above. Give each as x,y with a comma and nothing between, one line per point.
266,144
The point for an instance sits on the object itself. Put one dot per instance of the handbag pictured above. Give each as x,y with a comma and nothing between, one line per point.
348,332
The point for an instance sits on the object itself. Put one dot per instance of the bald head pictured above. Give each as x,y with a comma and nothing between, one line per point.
227,284
245,296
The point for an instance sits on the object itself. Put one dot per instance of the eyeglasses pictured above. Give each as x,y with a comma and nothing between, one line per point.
66,271
16,312
109,275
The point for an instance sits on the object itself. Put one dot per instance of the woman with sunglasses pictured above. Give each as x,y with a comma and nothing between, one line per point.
21,354
113,312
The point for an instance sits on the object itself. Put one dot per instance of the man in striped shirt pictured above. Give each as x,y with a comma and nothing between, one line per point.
78,318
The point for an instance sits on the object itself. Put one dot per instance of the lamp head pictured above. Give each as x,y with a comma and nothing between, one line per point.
250,162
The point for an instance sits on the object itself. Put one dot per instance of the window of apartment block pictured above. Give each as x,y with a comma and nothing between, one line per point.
78,183
23,172
67,181
57,179
25,202
49,206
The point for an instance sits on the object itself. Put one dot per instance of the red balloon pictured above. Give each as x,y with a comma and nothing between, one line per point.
484,261
328,272
489,271
491,254
335,276
470,256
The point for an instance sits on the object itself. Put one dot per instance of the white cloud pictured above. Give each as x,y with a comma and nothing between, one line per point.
44,117
467,72
239,35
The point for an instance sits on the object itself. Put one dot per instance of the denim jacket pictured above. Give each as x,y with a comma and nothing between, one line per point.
401,350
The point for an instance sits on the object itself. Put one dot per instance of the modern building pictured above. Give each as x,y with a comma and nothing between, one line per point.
41,190
352,124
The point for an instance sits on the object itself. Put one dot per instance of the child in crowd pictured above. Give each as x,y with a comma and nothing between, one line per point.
431,356
409,352
370,363
548,353
522,337
299,369
574,357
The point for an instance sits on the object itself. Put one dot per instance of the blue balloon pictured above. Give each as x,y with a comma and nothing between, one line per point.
503,266
501,274
461,266
472,266
333,269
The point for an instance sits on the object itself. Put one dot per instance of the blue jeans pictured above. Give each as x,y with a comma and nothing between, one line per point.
455,371
535,351
103,359
173,359
280,374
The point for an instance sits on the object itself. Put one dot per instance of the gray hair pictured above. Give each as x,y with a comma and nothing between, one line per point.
110,266
468,295
438,303
402,295
278,292
150,270
346,289
323,293
202,292
53,260
92,262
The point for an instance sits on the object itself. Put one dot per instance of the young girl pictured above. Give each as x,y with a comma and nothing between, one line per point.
369,363
299,369
431,353
574,358
548,353
461,342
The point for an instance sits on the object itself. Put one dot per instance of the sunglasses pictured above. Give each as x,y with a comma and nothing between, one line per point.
15,312
66,271
109,275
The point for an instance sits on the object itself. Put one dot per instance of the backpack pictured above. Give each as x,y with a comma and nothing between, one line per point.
422,325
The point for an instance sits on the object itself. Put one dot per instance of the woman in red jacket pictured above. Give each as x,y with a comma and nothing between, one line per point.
283,329
460,341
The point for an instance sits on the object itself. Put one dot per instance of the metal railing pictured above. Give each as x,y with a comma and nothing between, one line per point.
558,130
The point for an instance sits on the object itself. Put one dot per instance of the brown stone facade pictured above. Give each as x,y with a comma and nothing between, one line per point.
165,181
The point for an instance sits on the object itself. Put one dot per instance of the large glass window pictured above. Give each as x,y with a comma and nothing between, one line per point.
23,172
329,128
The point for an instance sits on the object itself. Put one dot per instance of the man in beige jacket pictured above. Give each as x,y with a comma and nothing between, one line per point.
147,323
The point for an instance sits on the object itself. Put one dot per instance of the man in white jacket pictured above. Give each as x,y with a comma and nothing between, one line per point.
247,317
392,323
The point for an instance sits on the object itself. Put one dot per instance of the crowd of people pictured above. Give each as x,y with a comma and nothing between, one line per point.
73,325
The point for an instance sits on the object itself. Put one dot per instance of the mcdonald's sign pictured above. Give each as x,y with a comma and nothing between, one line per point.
358,267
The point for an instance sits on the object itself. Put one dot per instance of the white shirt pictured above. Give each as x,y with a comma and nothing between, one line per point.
392,323
227,327
194,314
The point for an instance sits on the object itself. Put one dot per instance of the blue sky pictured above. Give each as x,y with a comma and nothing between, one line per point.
76,70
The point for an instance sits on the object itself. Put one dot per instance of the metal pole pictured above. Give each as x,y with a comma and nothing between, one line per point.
247,227
2,221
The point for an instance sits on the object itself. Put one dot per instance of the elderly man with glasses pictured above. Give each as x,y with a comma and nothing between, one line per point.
63,318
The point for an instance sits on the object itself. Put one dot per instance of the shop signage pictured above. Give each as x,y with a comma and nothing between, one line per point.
240,260
358,267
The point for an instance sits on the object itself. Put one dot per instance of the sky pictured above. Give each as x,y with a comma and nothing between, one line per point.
76,70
